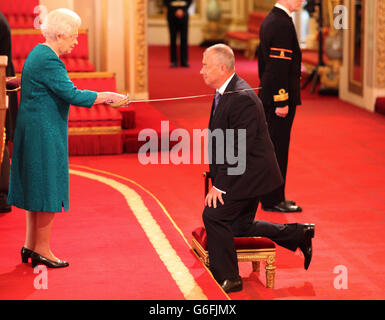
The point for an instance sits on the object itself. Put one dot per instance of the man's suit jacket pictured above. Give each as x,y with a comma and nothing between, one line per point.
279,61
243,110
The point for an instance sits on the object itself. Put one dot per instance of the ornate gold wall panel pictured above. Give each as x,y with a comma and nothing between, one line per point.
380,45
141,46
136,57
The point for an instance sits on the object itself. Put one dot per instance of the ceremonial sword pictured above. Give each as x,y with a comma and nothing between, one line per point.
125,102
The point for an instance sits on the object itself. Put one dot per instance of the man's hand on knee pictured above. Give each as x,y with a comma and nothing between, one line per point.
212,197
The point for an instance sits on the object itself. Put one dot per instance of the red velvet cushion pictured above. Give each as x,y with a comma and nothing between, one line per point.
18,6
96,83
77,64
72,65
254,21
13,83
76,61
20,21
240,242
253,24
22,44
81,49
99,115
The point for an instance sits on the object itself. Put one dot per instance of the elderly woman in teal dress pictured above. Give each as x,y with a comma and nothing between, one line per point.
39,170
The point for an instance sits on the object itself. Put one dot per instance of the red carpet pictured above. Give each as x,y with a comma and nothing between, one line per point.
336,173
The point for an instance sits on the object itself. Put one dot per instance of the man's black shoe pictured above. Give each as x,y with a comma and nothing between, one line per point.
232,285
283,207
306,246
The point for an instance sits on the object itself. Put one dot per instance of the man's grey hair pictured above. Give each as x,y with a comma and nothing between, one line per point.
224,55
60,22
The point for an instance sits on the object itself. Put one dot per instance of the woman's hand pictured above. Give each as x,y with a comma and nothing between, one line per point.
109,97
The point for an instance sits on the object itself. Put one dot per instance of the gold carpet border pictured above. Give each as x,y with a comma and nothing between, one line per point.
179,272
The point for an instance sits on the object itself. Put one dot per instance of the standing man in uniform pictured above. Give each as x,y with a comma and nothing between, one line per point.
279,62
177,18
10,122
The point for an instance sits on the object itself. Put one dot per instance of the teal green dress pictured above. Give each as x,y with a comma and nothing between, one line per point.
39,169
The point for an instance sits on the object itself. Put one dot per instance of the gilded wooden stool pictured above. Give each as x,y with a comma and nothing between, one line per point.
249,249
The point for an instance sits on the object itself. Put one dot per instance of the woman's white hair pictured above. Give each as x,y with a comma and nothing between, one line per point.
60,22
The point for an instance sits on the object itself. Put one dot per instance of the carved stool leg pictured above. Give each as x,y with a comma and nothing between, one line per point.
256,266
206,261
270,271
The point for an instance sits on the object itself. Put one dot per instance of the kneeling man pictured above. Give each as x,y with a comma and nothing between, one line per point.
231,204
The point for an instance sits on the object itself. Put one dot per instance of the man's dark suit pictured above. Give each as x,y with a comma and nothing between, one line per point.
279,62
5,49
242,110
178,25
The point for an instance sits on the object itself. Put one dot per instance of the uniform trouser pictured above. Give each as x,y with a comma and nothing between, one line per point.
236,218
178,26
279,130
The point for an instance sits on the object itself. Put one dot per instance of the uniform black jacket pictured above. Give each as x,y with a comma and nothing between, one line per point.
244,111
279,61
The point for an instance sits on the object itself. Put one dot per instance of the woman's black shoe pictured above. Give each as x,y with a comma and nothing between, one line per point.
38,259
25,254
